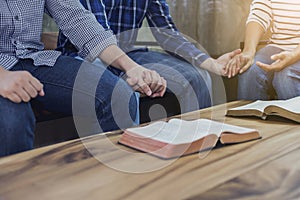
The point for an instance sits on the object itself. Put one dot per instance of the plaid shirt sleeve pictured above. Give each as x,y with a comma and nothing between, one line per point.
170,39
81,27
97,7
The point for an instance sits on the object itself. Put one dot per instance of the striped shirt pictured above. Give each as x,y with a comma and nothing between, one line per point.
125,18
283,19
21,28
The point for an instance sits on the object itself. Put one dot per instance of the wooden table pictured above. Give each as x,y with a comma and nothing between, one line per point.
263,169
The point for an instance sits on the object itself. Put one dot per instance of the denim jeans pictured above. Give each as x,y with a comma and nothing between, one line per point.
95,94
120,74
191,85
256,83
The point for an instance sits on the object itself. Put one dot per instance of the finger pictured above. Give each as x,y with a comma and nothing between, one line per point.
36,84
160,87
164,84
278,65
14,98
278,56
237,67
155,86
42,92
228,66
132,81
243,69
144,87
264,66
234,53
162,90
147,77
31,90
233,64
21,92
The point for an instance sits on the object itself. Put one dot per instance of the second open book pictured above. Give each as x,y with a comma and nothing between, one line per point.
289,109
179,137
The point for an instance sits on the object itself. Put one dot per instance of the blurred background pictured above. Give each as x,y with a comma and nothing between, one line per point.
218,25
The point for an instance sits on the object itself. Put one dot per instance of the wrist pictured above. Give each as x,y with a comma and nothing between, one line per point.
125,63
249,52
296,54
207,63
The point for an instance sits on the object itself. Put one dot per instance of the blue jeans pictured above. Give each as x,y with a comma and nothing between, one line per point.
255,83
67,90
120,74
191,85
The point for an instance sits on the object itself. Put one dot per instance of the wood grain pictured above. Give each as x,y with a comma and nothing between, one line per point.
262,169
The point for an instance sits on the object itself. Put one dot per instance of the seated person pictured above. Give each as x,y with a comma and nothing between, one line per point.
276,66
62,83
184,68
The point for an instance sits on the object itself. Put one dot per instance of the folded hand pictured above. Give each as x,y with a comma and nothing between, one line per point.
146,81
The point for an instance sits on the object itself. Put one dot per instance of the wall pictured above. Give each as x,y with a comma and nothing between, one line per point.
218,25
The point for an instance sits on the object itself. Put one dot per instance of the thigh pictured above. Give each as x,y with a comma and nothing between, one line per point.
287,82
264,56
255,83
17,123
173,69
59,82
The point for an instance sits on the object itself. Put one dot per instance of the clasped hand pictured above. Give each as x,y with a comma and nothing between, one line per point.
240,63
146,81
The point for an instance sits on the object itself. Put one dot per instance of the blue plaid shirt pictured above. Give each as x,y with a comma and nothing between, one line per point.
21,28
125,17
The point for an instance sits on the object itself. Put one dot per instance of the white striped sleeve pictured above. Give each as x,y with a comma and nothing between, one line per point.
261,12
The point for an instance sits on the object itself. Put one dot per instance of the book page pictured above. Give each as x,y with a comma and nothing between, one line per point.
257,105
292,105
178,131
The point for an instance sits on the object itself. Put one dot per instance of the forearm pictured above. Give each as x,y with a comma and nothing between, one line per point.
296,53
114,56
254,32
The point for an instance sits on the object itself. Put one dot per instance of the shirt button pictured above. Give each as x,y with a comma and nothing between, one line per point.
17,17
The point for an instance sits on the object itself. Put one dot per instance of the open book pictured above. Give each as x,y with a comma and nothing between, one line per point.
179,137
289,109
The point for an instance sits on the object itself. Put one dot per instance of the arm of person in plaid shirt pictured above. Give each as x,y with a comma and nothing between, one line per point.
93,41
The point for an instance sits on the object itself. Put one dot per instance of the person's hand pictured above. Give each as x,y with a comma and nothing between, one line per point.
217,66
19,86
239,64
146,81
281,61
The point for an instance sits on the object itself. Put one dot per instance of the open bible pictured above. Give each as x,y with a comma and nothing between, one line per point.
289,109
179,137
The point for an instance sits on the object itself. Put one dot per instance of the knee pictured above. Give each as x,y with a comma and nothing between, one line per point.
284,83
16,128
124,104
283,78
249,75
119,108
199,77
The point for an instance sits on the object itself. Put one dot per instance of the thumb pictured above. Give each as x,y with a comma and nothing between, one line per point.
132,81
248,64
277,56
42,92
234,53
